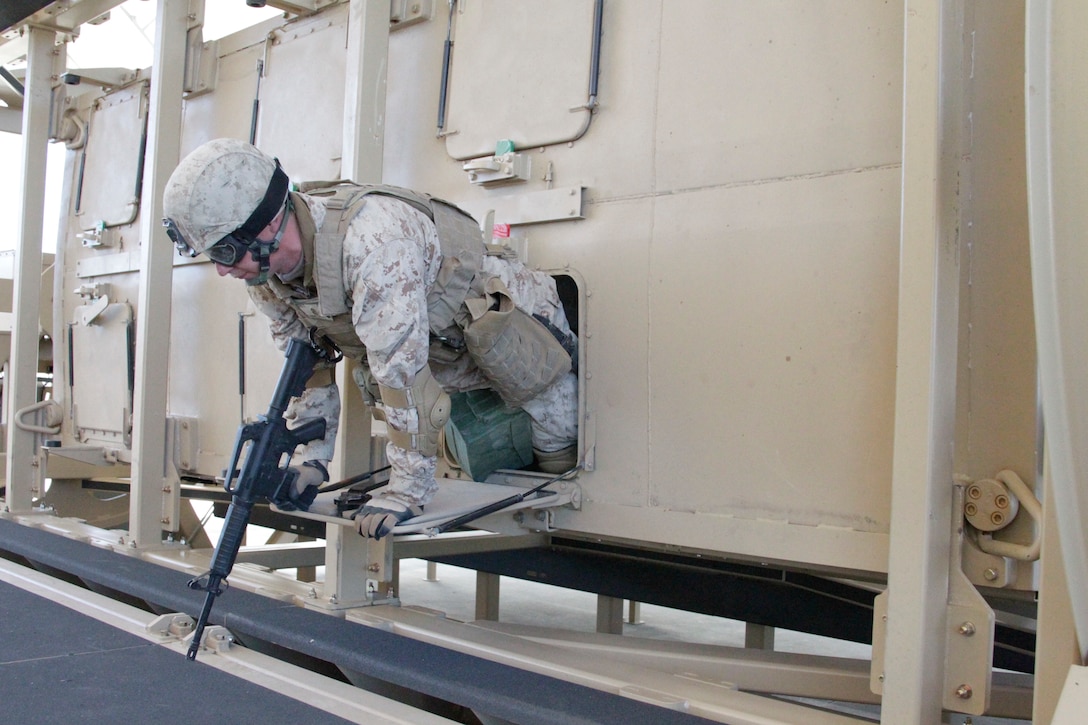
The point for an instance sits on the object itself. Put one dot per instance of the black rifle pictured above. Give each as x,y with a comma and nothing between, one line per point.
262,474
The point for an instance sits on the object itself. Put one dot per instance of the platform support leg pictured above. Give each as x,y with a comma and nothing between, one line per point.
758,636
487,596
609,614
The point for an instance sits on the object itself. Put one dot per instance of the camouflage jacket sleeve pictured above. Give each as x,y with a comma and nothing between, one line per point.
390,260
316,402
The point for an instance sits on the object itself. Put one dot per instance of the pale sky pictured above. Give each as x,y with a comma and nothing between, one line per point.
125,40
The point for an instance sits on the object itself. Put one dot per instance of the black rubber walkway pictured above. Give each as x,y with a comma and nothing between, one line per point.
267,625
60,666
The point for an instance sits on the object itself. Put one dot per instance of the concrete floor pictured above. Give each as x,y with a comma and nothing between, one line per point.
527,602
533,603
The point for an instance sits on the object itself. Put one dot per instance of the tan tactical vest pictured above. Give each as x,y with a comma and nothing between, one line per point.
329,311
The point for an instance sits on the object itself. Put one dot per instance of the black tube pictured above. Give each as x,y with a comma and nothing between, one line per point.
256,104
241,355
140,161
500,505
595,59
130,351
447,51
354,480
71,359
79,181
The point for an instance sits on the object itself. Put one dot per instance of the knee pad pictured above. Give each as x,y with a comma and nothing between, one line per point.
432,406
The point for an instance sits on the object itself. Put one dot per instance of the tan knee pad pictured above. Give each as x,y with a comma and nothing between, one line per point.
432,406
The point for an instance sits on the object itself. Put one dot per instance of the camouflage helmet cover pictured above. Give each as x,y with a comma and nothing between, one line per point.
216,189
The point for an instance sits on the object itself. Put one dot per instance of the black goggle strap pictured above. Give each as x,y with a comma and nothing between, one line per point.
269,207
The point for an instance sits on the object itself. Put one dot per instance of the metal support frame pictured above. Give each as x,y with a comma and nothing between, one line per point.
969,625
21,386
358,571
758,636
149,458
363,148
364,91
925,403
488,588
609,614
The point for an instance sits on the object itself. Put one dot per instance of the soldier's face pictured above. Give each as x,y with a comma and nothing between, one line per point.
248,268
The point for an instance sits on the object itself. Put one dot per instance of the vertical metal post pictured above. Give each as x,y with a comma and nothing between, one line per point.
363,148
925,407
364,90
23,365
609,614
487,596
156,277
758,636
357,570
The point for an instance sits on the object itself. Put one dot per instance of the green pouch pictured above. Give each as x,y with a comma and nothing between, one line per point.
483,434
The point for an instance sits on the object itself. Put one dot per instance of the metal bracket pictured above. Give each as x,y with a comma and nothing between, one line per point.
969,633
87,314
969,630
403,13
176,625
217,639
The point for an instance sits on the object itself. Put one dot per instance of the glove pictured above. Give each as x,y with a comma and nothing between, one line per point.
378,517
311,474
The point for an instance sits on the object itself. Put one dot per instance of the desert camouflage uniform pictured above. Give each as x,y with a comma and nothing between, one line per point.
391,259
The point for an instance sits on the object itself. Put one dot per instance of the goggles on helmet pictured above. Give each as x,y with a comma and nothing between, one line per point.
232,248
228,251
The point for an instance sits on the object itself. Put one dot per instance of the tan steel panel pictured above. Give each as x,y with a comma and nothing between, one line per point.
302,96
614,264
113,158
101,391
518,71
754,90
226,111
204,359
772,323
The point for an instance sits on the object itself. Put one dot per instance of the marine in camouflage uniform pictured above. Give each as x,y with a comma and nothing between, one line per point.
388,286
391,259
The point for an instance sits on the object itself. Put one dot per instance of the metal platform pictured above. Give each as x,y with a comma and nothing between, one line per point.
454,498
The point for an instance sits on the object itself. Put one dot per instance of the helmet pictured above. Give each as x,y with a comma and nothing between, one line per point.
224,191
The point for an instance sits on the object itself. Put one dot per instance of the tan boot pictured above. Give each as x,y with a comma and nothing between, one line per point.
557,462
